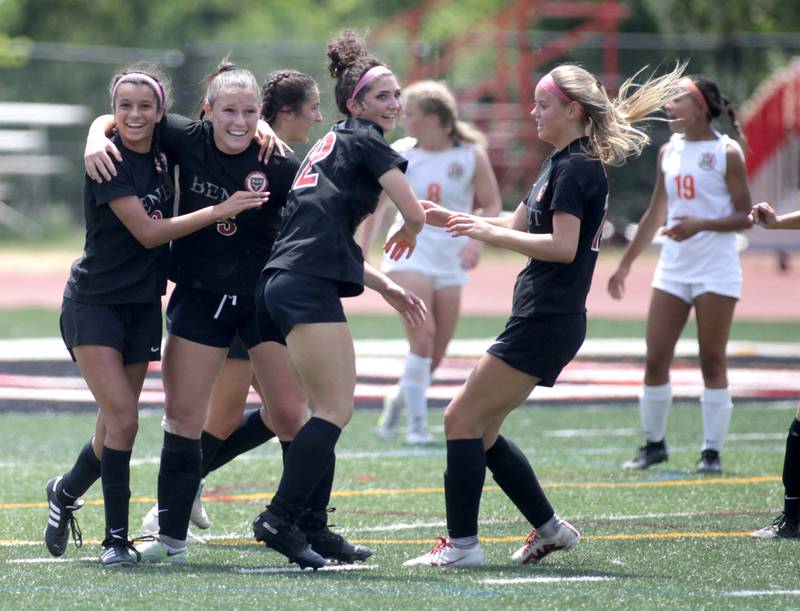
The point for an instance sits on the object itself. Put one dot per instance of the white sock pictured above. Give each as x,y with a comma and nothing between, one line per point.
717,407
549,529
414,387
464,542
654,405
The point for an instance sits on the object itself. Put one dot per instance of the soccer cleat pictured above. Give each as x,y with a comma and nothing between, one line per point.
781,528
325,542
60,522
444,554
286,538
117,553
199,517
419,435
150,525
154,550
709,462
652,453
390,417
536,547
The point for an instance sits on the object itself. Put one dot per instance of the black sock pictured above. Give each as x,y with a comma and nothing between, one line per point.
84,473
178,479
316,516
463,486
284,449
515,476
308,459
791,472
115,469
210,447
251,433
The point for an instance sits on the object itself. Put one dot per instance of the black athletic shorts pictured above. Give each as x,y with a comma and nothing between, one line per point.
542,345
133,329
212,319
289,298
238,350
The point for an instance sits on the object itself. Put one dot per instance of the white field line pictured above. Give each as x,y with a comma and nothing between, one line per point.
47,560
752,593
509,581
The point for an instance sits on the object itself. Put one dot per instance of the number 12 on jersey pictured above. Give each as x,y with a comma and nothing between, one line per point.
305,177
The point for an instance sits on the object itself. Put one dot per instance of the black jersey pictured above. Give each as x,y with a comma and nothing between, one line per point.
225,257
335,188
115,268
573,182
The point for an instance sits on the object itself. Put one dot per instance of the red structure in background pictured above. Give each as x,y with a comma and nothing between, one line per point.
500,103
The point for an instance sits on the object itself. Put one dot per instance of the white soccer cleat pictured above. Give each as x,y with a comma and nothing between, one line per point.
444,554
390,417
156,551
150,525
199,517
419,435
536,548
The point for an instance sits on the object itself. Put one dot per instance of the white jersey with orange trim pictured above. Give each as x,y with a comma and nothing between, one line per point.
446,177
694,178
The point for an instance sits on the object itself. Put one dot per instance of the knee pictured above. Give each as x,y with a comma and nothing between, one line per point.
122,428
286,423
459,425
714,367
656,371
421,340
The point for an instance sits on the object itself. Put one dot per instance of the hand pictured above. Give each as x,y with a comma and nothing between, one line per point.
762,214
97,159
401,242
616,284
268,141
471,254
239,202
434,214
411,308
469,225
685,228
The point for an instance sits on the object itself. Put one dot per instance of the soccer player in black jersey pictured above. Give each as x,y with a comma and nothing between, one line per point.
558,227
111,313
215,272
316,261
787,524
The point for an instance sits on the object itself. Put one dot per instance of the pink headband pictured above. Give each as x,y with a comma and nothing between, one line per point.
369,75
133,77
548,84
693,90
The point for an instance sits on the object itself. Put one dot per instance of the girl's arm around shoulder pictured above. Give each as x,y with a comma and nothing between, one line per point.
151,232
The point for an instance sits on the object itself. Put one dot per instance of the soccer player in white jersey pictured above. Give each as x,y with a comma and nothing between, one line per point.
702,193
447,164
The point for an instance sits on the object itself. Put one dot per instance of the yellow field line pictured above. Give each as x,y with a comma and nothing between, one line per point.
429,541
262,496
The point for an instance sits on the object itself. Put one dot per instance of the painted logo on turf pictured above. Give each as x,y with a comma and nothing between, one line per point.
256,182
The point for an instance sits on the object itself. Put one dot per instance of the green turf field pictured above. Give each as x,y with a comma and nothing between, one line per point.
664,538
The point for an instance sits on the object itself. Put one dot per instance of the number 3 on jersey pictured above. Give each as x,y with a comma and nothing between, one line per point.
305,177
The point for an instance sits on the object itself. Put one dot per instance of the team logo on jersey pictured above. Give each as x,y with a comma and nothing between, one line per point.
708,161
256,182
456,170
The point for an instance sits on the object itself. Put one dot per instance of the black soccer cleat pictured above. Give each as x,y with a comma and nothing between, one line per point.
117,554
60,522
652,453
327,543
283,535
709,462
781,528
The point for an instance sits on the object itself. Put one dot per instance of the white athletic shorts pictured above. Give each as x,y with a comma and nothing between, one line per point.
688,291
436,257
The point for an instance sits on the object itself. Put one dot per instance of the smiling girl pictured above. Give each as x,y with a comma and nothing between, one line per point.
702,193
111,313
316,262
558,228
